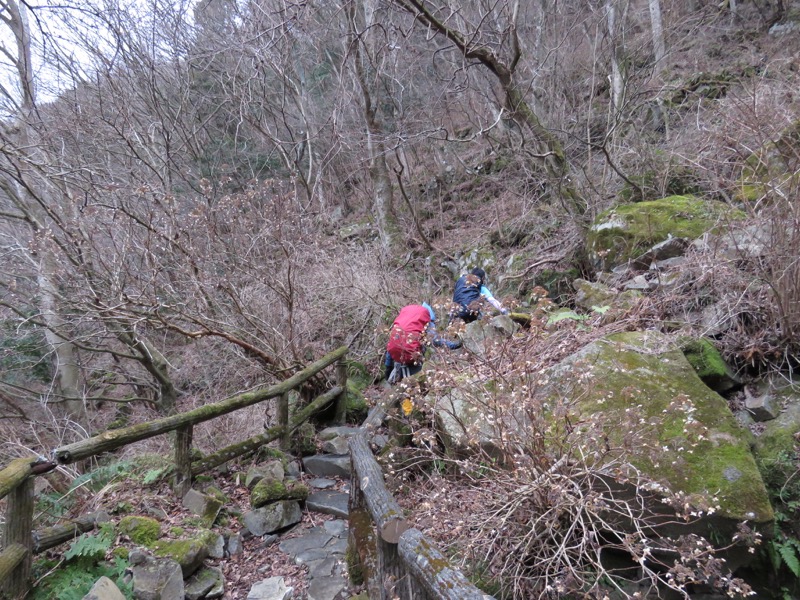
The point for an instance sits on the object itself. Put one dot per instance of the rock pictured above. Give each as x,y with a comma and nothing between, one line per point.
328,465
104,589
234,544
631,230
272,517
202,505
670,248
158,579
709,365
329,502
293,468
762,406
461,422
267,491
336,527
326,588
216,547
642,283
775,447
273,588
589,294
201,584
315,538
592,296
321,483
480,333
643,379
270,470
141,530
188,553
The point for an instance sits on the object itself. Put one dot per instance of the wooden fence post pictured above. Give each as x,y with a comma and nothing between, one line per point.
183,460
18,532
285,441
340,414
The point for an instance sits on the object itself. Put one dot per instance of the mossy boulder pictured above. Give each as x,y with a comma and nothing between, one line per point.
627,231
597,296
709,364
641,387
267,491
141,530
774,448
304,440
772,169
189,553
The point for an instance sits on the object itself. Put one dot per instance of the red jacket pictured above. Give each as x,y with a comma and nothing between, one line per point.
405,337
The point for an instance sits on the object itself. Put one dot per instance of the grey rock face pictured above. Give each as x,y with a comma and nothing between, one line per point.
201,584
104,589
160,579
273,588
329,502
272,517
328,465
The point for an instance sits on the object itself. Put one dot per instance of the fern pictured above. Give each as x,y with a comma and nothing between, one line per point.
788,551
91,547
74,581
154,475
100,476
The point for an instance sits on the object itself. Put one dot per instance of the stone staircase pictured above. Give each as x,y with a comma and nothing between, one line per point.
280,494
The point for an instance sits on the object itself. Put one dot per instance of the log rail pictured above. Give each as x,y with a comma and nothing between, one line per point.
20,542
396,560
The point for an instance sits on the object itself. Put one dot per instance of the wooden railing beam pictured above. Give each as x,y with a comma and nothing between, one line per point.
111,440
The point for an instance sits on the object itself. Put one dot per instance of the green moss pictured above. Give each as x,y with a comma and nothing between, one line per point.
182,551
267,491
629,230
176,531
303,440
706,361
772,167
696,445
267,453
354,571
357,407
121,552
141,530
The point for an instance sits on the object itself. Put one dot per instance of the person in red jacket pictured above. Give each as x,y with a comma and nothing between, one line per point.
411,330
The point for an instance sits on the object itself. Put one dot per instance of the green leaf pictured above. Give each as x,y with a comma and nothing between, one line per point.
569,314
601,309
789,555
153,475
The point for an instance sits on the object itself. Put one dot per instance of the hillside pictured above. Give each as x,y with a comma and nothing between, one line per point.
217,203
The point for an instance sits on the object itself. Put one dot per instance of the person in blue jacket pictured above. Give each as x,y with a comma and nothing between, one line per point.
469,296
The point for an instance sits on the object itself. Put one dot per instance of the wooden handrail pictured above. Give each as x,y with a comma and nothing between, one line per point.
16,479
111,440
398,555
386,513
15,473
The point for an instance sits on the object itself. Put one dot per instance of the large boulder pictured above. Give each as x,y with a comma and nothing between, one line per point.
687,440
627,231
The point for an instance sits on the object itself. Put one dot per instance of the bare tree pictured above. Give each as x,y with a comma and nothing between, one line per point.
489,35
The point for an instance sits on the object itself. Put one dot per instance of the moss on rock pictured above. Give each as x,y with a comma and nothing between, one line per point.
642,387
267,491
708,364
772,168
627,231
141,530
